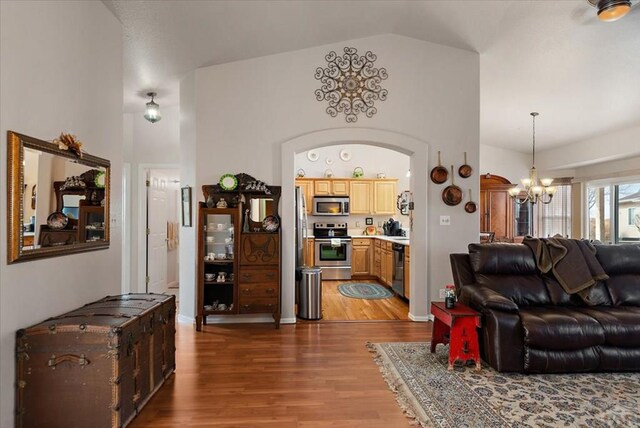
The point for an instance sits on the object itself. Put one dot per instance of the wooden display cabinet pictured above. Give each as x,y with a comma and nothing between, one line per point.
218,237
91,223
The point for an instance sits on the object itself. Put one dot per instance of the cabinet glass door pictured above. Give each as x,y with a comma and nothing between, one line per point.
219,233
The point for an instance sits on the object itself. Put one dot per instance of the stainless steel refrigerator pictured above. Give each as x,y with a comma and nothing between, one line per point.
301,227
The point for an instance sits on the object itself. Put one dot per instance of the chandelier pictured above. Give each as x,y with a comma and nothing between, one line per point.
534,190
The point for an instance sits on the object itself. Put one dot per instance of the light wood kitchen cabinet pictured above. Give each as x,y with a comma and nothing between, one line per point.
361,257
384,197
331,187
377,258
361,196
386,265
309,252
307,190
407,283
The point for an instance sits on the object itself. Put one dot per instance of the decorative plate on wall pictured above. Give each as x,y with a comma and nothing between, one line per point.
345,155
228,182
312,155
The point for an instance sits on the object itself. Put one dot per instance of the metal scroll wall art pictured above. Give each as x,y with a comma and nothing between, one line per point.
351,84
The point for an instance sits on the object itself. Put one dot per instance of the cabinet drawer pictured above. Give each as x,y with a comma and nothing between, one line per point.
259,290
388,246
253,305
248,276
361,242
377,243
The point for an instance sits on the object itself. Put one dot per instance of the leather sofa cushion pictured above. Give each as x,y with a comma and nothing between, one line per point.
624,289
621,324
598,294
619,259
502,259
551,361
560,328
617,359
524,290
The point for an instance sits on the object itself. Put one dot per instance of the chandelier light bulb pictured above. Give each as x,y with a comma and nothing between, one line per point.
514,191
546,182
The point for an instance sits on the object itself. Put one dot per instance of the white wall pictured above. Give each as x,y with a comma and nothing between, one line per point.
60,70
509,164
246,110
147,145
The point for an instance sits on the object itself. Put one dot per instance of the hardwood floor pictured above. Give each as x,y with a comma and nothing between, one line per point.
337,307
303,375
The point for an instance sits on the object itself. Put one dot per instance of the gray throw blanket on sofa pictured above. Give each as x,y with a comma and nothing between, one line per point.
572,261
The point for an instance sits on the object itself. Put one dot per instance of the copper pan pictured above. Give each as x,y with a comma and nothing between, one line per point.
465,170
452,194
470,206
439,174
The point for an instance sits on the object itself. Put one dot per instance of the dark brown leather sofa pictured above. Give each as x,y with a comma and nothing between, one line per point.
530,324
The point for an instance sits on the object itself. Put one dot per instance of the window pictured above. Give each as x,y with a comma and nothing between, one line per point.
613,212
555,217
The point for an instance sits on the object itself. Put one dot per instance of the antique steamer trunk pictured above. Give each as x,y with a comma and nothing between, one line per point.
96,366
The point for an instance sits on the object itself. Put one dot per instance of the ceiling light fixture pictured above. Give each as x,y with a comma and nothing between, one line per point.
611,10
152,112
534,191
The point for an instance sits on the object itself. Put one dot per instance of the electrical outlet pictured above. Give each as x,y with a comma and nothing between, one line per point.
445,220
442,293
379,224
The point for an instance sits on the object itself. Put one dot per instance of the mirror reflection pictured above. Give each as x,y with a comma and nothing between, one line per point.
63,199
260,208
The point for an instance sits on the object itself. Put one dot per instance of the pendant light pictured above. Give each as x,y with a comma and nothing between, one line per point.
152,112
534,191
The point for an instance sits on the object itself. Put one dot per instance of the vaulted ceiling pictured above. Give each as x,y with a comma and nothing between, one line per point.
554,57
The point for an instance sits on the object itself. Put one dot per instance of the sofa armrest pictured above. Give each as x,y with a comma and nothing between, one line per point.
484,297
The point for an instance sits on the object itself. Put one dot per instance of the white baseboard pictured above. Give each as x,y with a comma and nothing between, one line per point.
183,319
173,284
420,319
288,320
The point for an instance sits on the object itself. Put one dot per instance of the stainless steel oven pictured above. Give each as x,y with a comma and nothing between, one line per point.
332,249
333,255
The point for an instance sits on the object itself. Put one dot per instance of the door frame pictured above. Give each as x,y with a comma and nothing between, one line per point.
143,169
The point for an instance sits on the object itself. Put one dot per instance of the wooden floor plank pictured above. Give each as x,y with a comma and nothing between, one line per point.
301,376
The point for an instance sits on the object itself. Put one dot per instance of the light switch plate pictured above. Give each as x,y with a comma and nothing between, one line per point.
445,220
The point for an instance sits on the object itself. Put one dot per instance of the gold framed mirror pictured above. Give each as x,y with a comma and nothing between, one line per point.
69,212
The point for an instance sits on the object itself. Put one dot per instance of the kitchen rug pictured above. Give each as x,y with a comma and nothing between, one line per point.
364,290
464,397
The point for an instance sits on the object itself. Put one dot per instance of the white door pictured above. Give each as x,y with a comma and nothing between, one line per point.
157,236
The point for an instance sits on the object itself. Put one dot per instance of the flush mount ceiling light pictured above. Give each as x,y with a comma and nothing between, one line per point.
611,10
152,112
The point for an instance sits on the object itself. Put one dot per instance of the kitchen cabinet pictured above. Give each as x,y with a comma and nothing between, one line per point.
386,265
331,187
361,257
384,197
377,258
407,256
307,191
361,196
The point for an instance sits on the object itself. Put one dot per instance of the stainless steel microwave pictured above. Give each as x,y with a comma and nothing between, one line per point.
331,205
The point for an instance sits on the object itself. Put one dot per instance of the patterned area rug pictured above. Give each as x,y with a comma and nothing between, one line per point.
364,290
436,397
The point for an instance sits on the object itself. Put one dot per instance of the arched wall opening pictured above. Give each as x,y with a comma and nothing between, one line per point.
417,150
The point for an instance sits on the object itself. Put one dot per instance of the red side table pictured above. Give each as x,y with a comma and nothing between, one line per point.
457,327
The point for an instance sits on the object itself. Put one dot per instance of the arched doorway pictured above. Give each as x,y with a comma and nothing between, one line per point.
418,152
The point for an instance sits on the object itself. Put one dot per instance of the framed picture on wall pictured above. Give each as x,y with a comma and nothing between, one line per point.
186,206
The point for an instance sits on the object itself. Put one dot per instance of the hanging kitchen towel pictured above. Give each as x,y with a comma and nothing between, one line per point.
335,242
